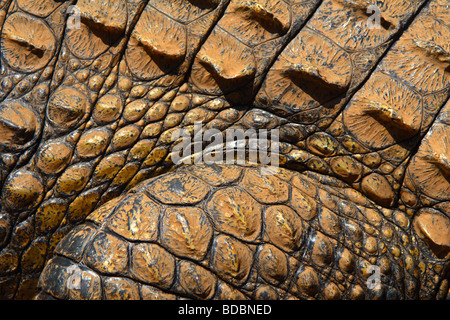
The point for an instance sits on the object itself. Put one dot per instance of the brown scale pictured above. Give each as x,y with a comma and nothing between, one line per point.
428,208
135,99
141,106
388,116
326,62
324,254
30,38
223,232
196,99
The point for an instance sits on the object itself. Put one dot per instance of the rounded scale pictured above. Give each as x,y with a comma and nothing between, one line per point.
178,188
273,264
231,259
54,156
27,43
107,109
265,188
235,212
186,232
378,188
196,280
107,253
283,227
93,142
434,228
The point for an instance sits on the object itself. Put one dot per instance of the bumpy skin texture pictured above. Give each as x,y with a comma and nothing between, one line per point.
232,232
88,113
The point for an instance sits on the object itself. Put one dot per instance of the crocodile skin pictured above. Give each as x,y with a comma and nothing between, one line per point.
87,117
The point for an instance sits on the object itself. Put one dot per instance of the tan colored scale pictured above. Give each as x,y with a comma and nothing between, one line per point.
430,225
191,241
230,259
265,188
393,16
157,45
422,50
18,125
197,280
136,227
217,175
108,167
286,229
212,71
22,189
107,109
272,264
18,43
322,251
152,264
387,113
319,57
272,20
91,40
308,62
107,253
73,179
307,282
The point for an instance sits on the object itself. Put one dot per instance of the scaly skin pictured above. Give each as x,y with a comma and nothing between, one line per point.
88,113
231,232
